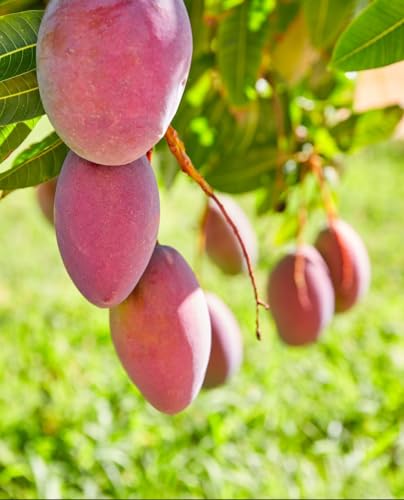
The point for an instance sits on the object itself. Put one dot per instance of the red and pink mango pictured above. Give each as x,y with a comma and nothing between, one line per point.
106,226
227,343
46,198
348,262
301,310
162,333
221,243
111,73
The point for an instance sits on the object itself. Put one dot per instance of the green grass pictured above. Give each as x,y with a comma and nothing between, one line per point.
324,421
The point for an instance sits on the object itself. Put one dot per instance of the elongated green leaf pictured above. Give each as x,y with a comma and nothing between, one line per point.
9,6
294,54
367,128
243,173
39,163
239,53
326,19
11,136
196,10
374,39
20,99
18,36
377,126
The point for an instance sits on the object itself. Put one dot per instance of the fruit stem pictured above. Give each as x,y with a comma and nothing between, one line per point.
177,148
315,165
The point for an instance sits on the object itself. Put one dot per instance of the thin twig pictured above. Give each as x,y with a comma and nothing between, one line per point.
178,150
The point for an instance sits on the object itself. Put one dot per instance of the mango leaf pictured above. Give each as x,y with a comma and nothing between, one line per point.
217,7
11,136
284,14
9,6
18,36
287,230
207,132
243,173
20,99
321,81
196,10
271,198
374,39
367,128
326,19
294,55
166,164
239,53
39,163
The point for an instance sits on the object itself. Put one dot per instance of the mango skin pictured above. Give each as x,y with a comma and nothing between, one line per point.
341,245
106,224
111,73
221,243
227,344
301,322
45,194
162,333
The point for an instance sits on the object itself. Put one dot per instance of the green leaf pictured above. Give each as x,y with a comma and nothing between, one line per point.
374,39
287,230
326,19
20,99
11,136
294,55
243,172
377,126
18,36
368,128
166,164
39,163
196,10
284,14
239,53
9,6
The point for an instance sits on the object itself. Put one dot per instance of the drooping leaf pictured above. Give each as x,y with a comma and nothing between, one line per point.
364,129
294,55
242,173
9,6
377,126
11,136
167,165
39,163
239,53
216,7
207,132
18,36
287,230
20,99
326,19
374,39
321,81
196,10
284,14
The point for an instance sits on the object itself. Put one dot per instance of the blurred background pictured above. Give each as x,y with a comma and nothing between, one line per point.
326,420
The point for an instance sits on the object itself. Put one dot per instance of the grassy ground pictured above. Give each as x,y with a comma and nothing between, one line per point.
326,421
